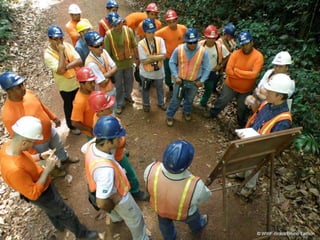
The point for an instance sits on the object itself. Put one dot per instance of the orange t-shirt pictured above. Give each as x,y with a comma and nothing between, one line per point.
172,38
82,112
72,32
22,173
140,31
243,69
29,106
134,19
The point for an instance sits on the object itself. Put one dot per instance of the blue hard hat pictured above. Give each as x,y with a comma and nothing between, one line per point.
112,4
244,37
229,29
149,25
114,19
93,38
10,79
55,31
191,35
108,127
178,156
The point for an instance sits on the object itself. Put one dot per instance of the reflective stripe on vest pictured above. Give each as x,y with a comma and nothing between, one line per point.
104,25
103,68
267,126
116,51
218,48
179,194
70,73
93,162
188,69
148,67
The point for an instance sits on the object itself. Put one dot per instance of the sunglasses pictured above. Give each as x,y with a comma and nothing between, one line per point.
97,46
192,43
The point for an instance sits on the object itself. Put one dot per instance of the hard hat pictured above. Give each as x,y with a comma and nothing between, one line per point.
244,37
211,32
114,19
148,25
10,79
178,156
93,38
152,7
83,24
98,101
280,83
112,4
74,9
191,35
282,58
229,29
108,127
85,74
55,31
171,15
28,127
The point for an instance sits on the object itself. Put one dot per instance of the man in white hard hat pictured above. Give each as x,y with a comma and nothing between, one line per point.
75,14
20,171
272,115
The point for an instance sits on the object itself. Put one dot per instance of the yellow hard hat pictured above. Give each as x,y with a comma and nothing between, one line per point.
83,25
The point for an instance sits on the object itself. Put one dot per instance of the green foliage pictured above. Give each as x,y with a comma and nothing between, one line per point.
307,143
5,28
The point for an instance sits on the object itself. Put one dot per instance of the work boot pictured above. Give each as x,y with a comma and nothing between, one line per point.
169,122
57,172
141,196
71,160
76,131
187,116
163,107
90,235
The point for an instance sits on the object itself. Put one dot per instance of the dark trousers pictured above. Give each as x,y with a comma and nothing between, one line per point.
59,213
68,98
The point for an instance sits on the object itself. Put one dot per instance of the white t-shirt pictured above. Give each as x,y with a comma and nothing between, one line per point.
213,54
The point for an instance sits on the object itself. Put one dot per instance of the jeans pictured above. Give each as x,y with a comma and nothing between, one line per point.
158,84
131,174
190,91
168,231
54,142
210,86
59,213
124,85
227,94
132,215
68,98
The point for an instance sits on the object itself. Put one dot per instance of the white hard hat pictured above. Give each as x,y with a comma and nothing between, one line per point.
280,83
282,58
74,9
28,127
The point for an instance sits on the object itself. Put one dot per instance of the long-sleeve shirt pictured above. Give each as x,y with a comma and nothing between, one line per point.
21,173
204,70
243,69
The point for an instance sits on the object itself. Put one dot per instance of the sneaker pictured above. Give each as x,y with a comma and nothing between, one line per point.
204,220
76,131
146,108
71,160
163,107
119,110
246,192
141,196
187,116
235,177
169,122
57,172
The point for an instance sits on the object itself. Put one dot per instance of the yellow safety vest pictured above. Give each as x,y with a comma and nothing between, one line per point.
147,66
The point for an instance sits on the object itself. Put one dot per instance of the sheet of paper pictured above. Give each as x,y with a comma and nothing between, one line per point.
247,132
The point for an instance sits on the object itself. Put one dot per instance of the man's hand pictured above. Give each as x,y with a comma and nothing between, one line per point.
198,83
177,80
57,122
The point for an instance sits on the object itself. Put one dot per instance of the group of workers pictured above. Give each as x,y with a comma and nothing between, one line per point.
95,76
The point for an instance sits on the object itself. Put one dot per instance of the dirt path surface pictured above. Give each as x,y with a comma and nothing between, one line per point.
147,137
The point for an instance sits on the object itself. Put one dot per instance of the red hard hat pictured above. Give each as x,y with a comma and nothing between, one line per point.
152,7
85,74
211,32
171,15
98,100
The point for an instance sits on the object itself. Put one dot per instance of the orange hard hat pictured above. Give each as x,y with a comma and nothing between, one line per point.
171,15
98,100
85,74
211,32
152,7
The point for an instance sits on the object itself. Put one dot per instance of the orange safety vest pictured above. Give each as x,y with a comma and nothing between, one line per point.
230,45
218,48
188,69
147,66
70,73
267,126
93,162
179,194
103,68
119,54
